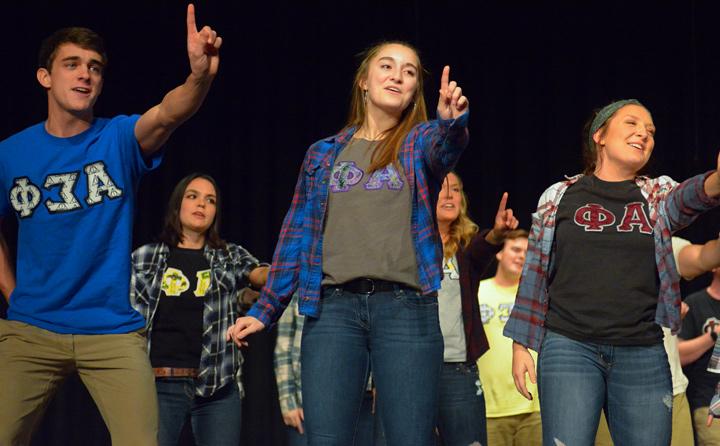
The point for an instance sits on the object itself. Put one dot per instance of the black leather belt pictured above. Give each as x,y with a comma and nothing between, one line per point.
365,285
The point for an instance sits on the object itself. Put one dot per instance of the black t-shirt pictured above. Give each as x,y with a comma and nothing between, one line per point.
178,322
604,287
704,312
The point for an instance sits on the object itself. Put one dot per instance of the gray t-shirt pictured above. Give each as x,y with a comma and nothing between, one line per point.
450,312
367,229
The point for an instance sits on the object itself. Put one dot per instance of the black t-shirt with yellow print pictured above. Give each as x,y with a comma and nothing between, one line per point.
178,321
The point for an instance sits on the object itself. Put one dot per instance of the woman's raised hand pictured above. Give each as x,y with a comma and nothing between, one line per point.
452,104
505,222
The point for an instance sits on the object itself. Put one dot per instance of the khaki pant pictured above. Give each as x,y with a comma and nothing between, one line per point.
682,429
515,430
114,368
706,436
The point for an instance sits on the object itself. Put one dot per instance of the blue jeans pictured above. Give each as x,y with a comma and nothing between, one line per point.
398,332
461,409
215,420
576,380
369,429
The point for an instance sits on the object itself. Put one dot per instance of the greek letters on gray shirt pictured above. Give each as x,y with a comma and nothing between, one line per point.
367,228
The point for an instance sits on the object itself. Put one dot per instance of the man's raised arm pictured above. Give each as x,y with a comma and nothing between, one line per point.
155,126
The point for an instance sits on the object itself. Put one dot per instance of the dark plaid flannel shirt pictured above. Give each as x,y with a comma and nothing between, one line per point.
672,207
220,361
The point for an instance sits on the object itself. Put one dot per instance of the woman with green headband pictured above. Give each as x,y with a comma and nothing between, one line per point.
598,282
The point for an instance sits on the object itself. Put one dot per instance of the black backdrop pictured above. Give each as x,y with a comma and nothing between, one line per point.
533,71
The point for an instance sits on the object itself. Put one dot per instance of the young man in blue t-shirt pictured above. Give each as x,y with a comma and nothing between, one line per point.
71,182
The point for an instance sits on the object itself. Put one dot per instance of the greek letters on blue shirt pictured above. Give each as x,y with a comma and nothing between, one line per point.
74,199
25,196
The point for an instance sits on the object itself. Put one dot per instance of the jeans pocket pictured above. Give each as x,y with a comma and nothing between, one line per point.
415,300
548,337
331,293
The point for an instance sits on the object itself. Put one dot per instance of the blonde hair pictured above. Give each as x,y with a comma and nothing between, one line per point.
462,229
387,150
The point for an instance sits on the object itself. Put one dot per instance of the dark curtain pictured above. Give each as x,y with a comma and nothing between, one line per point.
533,72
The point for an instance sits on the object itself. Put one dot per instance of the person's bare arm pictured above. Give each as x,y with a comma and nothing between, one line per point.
692,349
157,124
694,260
712,182
522,364
7,275
258,276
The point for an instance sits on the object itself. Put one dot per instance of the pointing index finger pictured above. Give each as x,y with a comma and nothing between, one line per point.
503,202
445,78
191,26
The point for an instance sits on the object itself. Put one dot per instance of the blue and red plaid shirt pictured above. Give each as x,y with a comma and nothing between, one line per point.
429,152
672,207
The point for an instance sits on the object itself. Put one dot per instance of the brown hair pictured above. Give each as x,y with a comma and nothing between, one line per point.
590,147
82,37
515,234
172,232
463,228
386,151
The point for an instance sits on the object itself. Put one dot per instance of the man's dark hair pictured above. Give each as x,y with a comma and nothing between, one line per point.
82,37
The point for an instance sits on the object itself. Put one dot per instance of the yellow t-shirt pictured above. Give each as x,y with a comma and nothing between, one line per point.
501,397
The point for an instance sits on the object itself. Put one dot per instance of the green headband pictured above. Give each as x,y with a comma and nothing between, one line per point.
604,114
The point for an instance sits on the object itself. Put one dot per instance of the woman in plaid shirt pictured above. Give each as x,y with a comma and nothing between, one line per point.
598,281
187,287
360,246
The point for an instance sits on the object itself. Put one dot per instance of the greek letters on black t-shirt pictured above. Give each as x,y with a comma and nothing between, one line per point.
178,321
604,286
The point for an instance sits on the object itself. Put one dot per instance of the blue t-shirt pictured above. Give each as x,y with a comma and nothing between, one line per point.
74,199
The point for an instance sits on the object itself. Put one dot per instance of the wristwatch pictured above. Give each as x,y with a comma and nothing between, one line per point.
713,335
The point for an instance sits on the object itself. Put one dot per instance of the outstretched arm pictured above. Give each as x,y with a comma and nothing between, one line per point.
155,126
694,260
